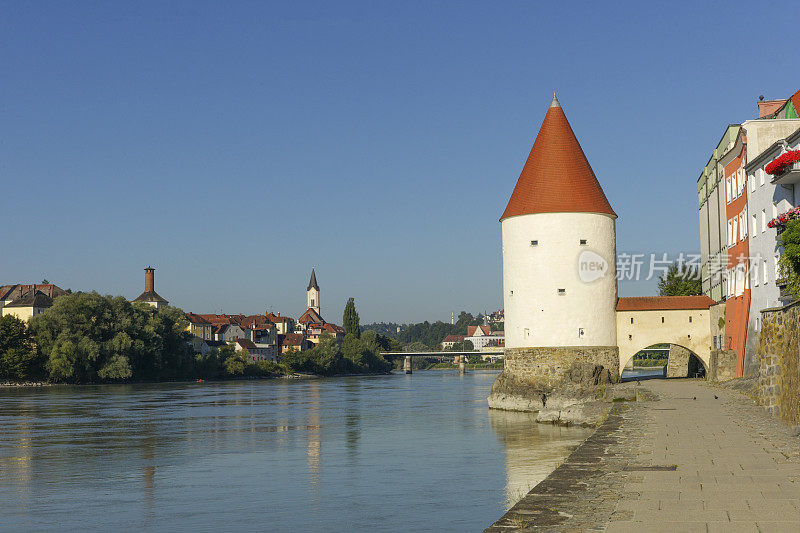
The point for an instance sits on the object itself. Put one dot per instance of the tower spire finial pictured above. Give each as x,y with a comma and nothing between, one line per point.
555,103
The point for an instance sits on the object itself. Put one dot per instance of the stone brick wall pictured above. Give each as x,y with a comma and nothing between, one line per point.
547,366
722,365
678,362
778,356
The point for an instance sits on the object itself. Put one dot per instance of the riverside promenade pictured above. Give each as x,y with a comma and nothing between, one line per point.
673,463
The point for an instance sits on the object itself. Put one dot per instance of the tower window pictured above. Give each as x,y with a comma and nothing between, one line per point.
631,320
534,243
662,319
562,292
584,242
690,320
580,333
630,337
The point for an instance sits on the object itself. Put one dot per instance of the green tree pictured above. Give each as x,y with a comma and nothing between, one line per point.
789,261
86,337
350,321
18,358
680,281
234,362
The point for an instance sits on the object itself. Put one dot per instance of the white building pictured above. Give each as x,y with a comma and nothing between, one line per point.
483,336
769,196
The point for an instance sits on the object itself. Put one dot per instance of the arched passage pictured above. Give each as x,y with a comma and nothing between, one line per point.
663,360
639,328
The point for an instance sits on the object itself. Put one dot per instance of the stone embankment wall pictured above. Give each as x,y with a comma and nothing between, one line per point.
778,356
563,380
546,367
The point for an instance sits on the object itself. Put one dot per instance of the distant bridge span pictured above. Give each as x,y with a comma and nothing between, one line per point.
461,365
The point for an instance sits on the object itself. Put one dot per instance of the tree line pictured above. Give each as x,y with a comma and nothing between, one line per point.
90,338
425,336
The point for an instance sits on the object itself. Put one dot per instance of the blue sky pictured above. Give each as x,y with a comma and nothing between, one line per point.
234,145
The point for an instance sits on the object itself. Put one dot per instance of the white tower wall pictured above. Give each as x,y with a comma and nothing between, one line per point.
536,314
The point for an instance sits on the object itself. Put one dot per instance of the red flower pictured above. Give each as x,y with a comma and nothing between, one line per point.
780,163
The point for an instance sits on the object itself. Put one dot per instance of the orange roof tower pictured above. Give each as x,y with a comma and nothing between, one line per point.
557,177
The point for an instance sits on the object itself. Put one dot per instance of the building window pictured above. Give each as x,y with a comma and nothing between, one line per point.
584,242
562,292
631,320
534,243
752,183
527,333
761,175
774,210
763,220
777,268
662,319
755,225
690,320
511,293
630,337
765,272
580,333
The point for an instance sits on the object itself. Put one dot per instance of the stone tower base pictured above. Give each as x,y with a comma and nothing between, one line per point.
553,377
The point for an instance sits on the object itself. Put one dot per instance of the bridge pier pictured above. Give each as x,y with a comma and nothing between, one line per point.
407,364
462,365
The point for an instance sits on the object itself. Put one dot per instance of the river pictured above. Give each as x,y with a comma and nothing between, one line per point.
375,453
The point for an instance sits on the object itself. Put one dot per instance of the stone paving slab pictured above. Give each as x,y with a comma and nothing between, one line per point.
736,469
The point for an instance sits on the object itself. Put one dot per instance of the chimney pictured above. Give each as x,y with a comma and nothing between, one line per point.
149,279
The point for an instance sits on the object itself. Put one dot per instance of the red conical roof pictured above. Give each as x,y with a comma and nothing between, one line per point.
557,177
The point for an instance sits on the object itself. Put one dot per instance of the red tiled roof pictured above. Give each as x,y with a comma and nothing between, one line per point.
557,177
278,318
453,338
292,339
196,319
486,330
310,316
333,328
665,303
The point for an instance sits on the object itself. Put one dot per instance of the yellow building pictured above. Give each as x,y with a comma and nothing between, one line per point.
199,327
29,305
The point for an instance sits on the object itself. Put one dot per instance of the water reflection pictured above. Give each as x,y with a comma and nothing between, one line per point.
532,450
334,455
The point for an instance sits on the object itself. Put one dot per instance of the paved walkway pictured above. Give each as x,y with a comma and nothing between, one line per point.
678,464
736,471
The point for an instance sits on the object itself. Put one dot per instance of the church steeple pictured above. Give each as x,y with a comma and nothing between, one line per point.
312,293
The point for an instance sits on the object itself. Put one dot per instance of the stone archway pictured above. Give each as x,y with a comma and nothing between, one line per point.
681,362
687,328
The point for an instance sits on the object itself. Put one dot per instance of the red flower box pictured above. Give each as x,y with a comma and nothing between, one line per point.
782,162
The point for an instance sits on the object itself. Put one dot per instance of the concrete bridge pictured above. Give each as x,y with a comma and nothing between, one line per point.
458,356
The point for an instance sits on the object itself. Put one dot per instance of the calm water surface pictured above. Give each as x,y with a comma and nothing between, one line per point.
378,453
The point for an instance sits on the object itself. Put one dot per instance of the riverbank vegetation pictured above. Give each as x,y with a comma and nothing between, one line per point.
89,338
426,336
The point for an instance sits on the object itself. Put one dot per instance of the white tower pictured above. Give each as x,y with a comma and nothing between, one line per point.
559,248
312,293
